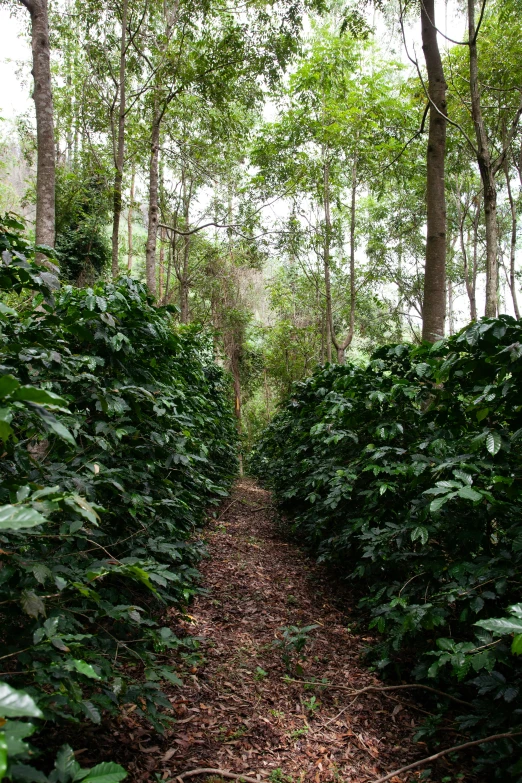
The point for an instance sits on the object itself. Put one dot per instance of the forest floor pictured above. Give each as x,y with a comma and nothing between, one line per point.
236,712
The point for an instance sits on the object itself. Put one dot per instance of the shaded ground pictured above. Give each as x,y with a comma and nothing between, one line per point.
237,712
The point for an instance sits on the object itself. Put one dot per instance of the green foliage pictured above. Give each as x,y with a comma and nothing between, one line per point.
117,436
82,212
406,476
292,644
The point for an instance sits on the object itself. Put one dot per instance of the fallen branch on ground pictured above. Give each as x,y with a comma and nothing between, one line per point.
210,771
441,753
225,511
379,688
254,508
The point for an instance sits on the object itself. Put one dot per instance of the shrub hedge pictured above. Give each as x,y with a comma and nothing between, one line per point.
406,476
117,436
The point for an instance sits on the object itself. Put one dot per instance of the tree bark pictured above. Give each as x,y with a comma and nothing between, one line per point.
469,275
351,328
184,282
129,221
486,171
120,151
434,297
152,231
451,314
330,338
43,101
513,242
161,264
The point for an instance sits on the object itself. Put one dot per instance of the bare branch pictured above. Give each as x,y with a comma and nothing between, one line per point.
441,753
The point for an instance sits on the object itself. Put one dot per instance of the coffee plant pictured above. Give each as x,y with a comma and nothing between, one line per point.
406,477
117,436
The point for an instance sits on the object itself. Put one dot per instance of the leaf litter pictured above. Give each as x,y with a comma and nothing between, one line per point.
243,710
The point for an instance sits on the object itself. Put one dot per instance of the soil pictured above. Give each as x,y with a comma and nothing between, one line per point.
237,710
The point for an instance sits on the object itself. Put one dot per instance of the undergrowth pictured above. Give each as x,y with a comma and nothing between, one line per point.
117,436
406,477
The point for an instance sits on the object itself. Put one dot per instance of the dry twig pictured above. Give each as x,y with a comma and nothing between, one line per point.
210,771
441,753
379,688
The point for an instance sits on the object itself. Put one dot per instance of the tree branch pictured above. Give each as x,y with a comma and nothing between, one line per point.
441,753
377,688
211,771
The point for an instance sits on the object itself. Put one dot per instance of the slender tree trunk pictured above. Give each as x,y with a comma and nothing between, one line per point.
474,273
341,351
237,408
434,297
486,171
468,276
172,255
513,243
451,312
120,150
161,264
129,220
43,100
152,232
331,339
184,278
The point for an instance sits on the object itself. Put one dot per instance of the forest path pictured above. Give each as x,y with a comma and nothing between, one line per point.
237,713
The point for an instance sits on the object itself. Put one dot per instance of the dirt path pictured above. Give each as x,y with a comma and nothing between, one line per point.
238,713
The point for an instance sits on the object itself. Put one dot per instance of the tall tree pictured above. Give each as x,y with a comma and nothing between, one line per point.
43,100
434,299
120,142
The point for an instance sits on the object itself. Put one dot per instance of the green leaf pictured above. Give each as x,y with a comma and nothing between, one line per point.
41,573
85,668
107,772
8,384
502,625
3,755
66,766
469,494
5,429
39,396
169,675
516,647
32,604
436,504
91,711
24,773
15,732
17,517
493,443
62,432
477,603
5,310
17,704
420,533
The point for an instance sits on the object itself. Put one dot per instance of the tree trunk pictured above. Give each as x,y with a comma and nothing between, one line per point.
120,151
161,264
152,232
486,171
326,263
513,243
43,100
434,297
451,314
476,226
171,256
129,220
341,350
184,277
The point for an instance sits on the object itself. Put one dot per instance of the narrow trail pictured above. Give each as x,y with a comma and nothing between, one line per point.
237,713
